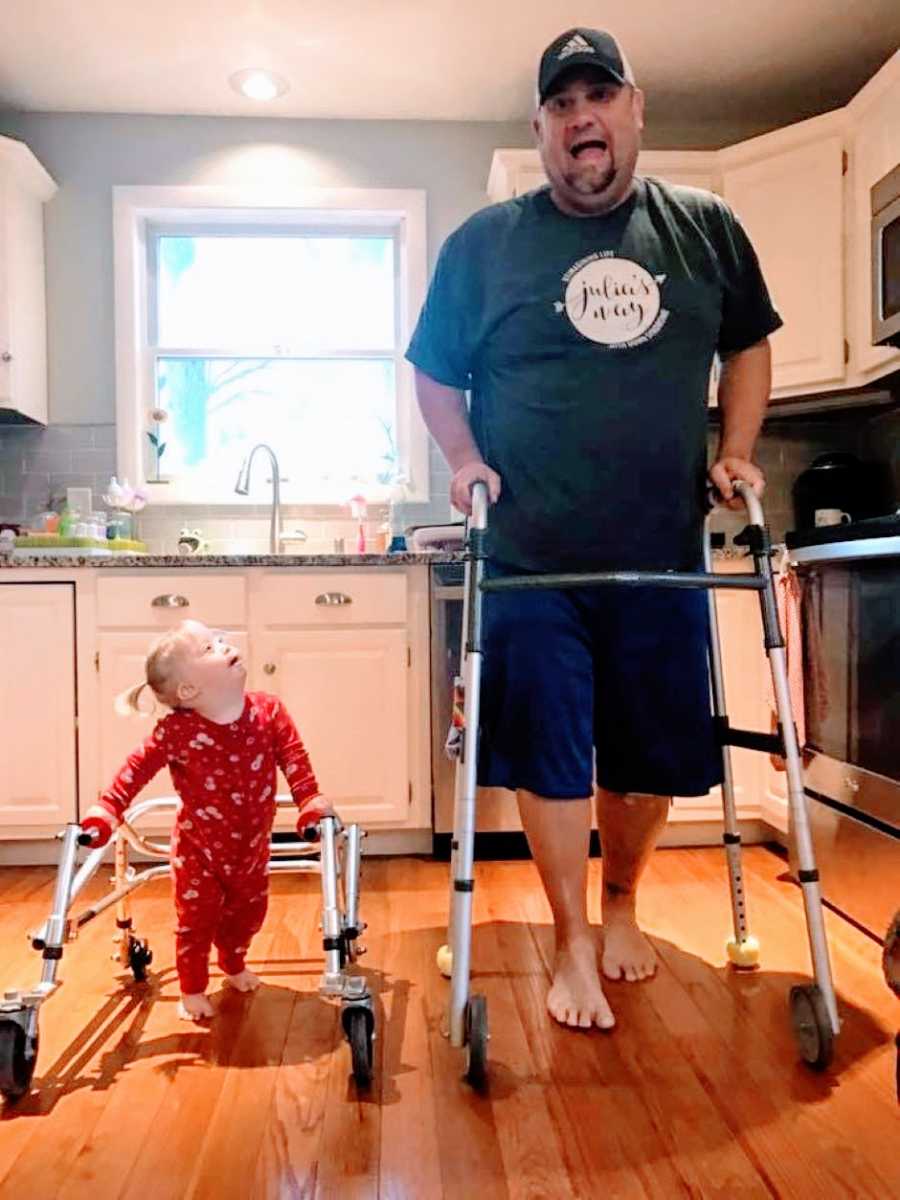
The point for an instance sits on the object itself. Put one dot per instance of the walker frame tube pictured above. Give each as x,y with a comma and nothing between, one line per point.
760,581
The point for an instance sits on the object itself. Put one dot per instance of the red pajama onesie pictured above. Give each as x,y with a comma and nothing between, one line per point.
225,777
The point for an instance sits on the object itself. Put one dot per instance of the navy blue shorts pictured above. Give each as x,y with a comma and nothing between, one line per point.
622,670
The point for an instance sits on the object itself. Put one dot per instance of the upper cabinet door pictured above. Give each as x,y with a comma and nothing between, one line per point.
790,201
24,186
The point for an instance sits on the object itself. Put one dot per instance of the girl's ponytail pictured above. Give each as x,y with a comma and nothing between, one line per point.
128,702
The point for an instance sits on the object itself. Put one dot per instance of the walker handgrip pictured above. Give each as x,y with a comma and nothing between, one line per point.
751,501
479,504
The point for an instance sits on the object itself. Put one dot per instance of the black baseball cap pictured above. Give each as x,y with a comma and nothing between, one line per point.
582,48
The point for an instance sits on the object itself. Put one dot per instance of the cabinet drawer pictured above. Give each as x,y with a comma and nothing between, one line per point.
159,601
332,598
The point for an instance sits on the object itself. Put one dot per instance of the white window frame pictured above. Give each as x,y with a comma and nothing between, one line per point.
136,210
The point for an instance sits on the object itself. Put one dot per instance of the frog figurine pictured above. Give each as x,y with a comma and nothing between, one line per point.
191,541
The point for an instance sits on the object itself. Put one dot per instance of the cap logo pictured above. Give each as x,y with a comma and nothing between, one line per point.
576,45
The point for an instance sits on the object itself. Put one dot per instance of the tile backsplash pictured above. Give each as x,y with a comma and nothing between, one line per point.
38,464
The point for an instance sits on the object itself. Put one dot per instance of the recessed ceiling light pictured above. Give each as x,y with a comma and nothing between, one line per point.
258,84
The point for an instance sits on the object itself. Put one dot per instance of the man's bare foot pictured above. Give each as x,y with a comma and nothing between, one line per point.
195,1007
576,995
244,981
627,954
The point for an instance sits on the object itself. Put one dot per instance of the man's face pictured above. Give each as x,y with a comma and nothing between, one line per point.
589,134
208,665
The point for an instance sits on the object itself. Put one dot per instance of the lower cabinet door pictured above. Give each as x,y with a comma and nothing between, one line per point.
38,790
346,690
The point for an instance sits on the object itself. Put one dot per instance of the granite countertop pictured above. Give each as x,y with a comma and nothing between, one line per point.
23,560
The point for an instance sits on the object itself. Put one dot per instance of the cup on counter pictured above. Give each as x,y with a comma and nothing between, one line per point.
831,516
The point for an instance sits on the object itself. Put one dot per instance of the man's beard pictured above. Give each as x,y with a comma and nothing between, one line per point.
592,181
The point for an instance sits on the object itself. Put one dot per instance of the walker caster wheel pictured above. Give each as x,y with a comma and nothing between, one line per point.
444,959
812,1028
140,956
477,1038
743,956
359,1027
18,1056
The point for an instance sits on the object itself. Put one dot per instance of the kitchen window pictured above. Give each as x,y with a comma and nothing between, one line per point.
240,323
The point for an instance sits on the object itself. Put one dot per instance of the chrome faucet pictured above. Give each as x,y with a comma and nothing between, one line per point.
242,487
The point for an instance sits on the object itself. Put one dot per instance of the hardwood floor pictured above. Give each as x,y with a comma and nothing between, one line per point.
697,1093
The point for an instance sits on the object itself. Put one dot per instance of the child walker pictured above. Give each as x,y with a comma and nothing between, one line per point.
813,1007
336,858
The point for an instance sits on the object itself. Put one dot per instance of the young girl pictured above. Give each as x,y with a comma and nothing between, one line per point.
222,746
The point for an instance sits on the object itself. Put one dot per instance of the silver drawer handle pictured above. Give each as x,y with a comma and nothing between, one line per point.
333,598
170,601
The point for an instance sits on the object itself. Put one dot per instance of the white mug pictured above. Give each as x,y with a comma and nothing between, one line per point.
832,516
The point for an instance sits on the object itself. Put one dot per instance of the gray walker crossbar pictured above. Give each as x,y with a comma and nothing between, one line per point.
813,1008
335,857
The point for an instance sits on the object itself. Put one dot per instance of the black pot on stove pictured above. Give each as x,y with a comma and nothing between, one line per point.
841,481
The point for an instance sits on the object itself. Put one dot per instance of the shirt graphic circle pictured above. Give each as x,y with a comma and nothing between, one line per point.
612,301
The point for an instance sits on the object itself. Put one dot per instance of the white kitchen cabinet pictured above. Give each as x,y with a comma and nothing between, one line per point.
346,690
873,133
24,188
335,645
345,648
789,199
514,172
38,790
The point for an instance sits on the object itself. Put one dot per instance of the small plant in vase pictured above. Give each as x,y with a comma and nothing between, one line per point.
126,502
158,447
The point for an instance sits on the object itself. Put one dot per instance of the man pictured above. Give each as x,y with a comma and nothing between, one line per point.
584,318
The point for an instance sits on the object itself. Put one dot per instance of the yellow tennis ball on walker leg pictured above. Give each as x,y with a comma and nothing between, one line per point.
444,959
743,955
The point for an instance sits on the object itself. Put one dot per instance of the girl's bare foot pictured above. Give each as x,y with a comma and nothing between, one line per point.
195,1007
244,981
576,996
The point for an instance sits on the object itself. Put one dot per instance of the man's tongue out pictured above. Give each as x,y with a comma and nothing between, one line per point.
590,150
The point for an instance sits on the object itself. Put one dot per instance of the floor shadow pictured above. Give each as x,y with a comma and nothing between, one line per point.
692,1013
238,1036
692,1009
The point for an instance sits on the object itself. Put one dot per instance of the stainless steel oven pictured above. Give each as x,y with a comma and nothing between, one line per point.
497,810
851,622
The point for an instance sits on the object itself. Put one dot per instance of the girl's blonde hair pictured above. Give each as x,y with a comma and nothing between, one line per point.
160,670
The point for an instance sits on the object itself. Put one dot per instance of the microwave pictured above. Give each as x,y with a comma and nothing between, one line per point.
886,260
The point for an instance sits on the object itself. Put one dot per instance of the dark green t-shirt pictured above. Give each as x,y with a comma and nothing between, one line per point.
586,343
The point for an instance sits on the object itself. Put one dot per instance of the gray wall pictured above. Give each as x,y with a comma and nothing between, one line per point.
89,154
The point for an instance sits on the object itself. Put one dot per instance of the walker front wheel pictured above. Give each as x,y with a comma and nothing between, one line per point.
18,1056
477,1038
140,956
358,1026
812,1026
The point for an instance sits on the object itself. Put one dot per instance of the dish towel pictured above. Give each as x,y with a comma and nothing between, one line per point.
787,596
